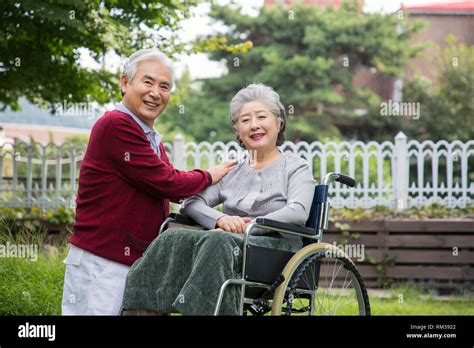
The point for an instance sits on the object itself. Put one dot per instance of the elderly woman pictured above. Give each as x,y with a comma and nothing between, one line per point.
183,269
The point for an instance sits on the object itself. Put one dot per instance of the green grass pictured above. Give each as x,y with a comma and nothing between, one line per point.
412,301
32,287
398,301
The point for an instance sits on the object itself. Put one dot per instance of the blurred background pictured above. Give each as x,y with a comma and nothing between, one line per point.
332,62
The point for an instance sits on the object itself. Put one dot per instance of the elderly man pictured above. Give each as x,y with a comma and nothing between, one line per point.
125,185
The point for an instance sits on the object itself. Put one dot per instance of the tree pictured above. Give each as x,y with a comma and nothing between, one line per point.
447,102
40,42
192,113
309,56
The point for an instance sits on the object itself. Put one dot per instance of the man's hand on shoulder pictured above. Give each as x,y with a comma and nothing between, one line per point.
218,172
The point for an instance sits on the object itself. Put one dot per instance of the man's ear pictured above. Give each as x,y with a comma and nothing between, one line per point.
123,83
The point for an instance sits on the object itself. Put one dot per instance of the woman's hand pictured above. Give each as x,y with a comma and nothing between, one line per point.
234,224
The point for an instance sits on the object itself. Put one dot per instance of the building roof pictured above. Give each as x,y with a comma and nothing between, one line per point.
456,7
40,133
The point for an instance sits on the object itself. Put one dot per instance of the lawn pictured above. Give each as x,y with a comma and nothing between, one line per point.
410,301
32,287
35,288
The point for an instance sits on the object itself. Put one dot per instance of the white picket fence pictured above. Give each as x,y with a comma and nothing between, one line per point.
399,174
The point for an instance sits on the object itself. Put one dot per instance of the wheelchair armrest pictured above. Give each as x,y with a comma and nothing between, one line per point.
285,226
183,219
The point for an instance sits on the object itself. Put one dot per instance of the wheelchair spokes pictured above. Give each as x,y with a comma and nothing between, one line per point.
337,294
320,285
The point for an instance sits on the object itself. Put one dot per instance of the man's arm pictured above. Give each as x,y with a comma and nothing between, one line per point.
135,160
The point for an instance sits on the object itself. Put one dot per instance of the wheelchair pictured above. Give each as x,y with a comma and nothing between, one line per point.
319,279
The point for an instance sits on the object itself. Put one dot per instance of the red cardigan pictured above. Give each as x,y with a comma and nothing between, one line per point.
124,190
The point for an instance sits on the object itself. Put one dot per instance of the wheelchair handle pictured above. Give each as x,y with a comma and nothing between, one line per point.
343,179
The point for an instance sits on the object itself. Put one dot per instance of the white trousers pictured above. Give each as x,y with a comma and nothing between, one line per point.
93,285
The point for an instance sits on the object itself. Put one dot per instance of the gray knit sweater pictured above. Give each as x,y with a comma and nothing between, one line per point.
282,191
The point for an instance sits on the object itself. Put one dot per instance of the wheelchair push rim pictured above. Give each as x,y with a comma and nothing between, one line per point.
321,280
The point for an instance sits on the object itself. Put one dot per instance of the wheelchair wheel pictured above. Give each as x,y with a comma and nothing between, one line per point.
321,279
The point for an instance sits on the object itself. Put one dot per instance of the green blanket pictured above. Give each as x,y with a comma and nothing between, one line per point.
183,270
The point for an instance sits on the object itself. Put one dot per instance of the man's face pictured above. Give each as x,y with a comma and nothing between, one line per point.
147,94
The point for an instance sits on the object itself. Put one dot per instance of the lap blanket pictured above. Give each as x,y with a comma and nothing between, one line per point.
183,270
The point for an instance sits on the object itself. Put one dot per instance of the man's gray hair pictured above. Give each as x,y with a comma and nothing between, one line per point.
130,66
265,94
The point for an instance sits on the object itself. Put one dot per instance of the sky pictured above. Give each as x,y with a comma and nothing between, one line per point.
201,67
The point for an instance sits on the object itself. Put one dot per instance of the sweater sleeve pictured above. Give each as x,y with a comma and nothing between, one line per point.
301,186
201,207
136,162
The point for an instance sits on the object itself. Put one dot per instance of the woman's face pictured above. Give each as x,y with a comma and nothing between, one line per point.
257,127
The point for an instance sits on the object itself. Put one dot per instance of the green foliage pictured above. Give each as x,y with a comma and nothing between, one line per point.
346,233
77,142
60,216
39,52
191,113
381,268
303,57
39,49
29,222
382,213
16,227
219,43
447,103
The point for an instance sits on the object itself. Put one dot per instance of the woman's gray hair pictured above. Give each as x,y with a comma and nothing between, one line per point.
130,65
264,93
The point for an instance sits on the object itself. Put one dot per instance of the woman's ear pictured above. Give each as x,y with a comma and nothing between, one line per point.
236,132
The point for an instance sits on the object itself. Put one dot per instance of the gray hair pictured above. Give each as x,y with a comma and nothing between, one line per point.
130,66
264,93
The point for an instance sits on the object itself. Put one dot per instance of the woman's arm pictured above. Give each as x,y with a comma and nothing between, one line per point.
301,187
201,207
